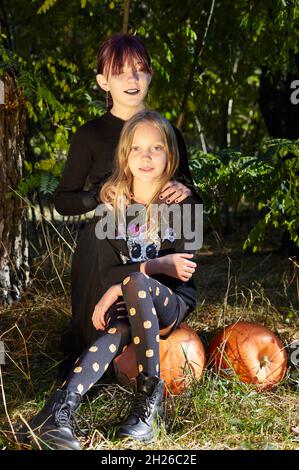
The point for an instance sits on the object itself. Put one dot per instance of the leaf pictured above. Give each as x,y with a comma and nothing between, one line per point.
46,6
48,183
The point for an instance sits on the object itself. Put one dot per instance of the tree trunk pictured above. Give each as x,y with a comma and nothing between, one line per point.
14,267
281,116
126,16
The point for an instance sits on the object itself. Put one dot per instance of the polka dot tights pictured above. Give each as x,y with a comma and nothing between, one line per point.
147,306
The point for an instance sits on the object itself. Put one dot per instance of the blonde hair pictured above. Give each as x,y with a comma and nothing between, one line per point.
119,185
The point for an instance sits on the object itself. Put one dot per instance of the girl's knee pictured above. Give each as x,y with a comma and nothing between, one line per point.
121,328
121,331
134,279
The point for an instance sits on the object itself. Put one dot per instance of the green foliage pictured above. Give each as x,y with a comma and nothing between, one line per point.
267,182
48,183
55,63
46,6
54,95
8,60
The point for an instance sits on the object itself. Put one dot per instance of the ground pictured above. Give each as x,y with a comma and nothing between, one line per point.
214,413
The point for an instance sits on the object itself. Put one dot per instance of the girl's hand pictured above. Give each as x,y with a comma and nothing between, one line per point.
174,192
178,265
108,299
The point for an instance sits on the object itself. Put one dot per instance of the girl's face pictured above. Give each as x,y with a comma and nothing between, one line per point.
129,88
147,158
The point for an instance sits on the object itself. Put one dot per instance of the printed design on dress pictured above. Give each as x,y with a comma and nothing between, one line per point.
140,246
169,234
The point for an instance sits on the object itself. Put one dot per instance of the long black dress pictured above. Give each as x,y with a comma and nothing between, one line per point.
88,166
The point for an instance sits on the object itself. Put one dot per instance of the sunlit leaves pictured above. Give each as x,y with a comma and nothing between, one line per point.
46,6
267,182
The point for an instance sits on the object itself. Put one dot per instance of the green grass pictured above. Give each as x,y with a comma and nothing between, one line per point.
214,413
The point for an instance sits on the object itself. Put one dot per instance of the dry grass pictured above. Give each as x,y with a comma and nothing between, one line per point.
214,413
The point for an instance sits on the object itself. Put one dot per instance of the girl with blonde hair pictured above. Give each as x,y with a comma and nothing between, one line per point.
140,306
124,73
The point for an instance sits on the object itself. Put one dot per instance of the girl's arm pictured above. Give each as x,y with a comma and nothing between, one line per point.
180,263
183,172
173,265
105,302
69,197
114,271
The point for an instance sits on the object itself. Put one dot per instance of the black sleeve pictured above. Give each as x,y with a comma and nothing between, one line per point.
191,219
183,173
69,197
113,270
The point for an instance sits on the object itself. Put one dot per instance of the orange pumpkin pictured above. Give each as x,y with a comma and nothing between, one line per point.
252,352
182,356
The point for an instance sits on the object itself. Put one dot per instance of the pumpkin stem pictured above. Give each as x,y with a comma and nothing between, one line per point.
264,361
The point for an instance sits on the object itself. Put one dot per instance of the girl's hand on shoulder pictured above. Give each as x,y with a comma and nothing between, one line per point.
108,299
178,265
174,191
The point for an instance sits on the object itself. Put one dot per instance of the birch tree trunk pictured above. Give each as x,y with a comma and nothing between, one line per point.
14,267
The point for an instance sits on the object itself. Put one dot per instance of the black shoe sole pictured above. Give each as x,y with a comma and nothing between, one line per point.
25,438
146,438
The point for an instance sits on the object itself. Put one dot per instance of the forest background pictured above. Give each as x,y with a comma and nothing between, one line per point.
227,74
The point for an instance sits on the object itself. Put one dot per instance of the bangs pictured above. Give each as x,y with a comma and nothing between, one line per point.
122,49
130,56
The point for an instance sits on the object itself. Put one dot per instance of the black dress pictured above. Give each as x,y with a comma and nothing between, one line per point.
88,166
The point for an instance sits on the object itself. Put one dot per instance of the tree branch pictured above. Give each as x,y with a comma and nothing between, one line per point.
197,53
126,16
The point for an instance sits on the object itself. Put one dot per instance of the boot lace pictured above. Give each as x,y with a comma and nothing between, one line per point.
65,417
141,406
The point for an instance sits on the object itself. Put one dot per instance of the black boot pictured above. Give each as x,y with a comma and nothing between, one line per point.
52,427
146,409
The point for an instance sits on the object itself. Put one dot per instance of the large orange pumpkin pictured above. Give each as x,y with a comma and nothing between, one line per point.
252,352
182,356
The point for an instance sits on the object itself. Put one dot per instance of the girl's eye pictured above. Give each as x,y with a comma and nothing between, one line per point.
138,66
158,148
134,149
